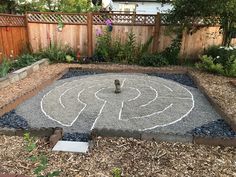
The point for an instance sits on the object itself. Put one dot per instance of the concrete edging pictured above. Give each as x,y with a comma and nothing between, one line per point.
22,73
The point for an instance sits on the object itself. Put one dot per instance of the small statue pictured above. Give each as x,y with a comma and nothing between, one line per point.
117,85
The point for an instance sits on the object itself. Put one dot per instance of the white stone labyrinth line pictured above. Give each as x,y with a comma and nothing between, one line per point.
145,102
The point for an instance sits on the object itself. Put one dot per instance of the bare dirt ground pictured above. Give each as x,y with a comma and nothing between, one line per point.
134,157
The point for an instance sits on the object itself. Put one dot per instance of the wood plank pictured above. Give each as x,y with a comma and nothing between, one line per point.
2,51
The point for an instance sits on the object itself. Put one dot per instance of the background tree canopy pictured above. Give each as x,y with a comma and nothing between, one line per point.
190,13
22,6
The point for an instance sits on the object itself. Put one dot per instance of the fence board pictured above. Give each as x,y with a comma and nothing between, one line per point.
41,35
42,29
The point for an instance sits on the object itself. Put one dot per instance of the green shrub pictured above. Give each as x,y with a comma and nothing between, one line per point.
220,54
5,67
24,60
171,53
57,53
113,50
153,60
103,46
230,67
207,64
221,60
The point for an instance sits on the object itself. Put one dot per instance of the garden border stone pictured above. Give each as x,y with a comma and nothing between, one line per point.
22,73
105,132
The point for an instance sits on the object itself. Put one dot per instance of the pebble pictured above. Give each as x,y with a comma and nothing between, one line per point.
82,137
218,128
12,120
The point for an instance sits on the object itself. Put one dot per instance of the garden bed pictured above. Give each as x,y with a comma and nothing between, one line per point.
22,73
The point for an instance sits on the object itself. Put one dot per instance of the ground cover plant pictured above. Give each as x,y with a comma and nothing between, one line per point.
41,161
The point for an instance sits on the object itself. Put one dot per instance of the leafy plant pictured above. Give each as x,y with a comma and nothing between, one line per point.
30,142
5,67
207,64
103,51
171,53
190,13
24,60
153,60
57,53
116,172
230,67
40,160
113,50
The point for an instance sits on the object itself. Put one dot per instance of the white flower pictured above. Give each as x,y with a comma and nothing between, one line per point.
231,48
218,57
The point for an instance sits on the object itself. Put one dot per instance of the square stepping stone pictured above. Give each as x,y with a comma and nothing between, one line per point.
71,146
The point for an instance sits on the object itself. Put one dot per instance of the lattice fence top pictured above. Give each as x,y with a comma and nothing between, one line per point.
12,20
124,19
57,18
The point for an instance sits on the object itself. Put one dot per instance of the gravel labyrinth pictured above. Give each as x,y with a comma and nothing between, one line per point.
146,104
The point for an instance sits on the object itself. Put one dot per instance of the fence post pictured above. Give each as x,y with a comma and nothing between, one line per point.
156,32
90,34
28,32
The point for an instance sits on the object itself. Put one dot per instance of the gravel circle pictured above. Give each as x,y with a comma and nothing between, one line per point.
217,128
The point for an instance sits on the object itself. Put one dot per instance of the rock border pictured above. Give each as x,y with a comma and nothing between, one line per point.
22,73
138,135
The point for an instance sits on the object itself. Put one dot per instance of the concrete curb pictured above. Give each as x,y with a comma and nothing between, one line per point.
22,73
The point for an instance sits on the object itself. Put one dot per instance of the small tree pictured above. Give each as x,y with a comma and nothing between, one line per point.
192,13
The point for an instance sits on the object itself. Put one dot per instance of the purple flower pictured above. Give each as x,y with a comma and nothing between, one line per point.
108,22
98,32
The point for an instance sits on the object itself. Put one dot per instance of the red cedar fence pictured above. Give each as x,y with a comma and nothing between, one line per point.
39,30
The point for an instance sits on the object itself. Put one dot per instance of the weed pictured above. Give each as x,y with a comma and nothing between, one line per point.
5,67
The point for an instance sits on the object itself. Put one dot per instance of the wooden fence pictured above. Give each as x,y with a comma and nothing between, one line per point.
79,31
13,35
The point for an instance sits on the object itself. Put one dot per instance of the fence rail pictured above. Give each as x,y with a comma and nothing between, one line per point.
12,20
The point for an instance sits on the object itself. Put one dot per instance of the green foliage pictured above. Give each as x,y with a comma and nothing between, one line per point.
189,13
24,60
171,53
219,57
103,46
230,67
221,54
30,142
113,50
57,53
116,172
153,60
207,64
69,59
5,67
40,160
22,6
